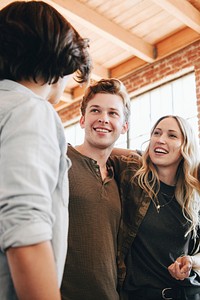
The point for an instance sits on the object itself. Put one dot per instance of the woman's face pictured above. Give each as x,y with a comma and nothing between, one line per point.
165,144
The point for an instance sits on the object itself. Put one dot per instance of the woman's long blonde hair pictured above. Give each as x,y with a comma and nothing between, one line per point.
187,190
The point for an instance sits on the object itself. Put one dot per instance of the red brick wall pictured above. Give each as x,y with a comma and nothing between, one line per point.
71,112
185,58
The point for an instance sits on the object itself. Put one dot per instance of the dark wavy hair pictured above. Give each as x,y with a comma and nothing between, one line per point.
37,42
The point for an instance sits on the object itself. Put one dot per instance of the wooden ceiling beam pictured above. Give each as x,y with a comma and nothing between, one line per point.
166,47
78,92
127,67
176,42
182,10
81,13
99,71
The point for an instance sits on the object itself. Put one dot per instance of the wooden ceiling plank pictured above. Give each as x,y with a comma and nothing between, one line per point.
78,92
106,28
166,47
182,10
127,67
99,71
176,42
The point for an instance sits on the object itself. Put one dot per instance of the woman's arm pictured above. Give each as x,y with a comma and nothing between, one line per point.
183,265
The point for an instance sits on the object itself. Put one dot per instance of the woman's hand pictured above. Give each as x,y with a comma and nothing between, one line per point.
181,268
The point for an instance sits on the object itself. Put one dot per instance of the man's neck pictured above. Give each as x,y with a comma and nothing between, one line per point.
100,155
39,88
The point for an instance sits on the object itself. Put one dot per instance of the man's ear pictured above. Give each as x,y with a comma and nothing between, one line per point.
82,122
124,128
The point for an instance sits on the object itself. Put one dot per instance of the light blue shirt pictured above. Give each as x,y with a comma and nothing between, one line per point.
33,177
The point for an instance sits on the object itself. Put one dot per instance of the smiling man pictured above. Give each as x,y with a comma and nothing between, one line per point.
95,208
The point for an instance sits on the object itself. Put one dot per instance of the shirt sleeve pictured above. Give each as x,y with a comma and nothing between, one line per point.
125,166
29,164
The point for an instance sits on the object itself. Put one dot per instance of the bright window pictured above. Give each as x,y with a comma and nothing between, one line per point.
176,97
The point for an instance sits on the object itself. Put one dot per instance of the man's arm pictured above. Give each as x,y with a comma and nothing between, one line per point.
125,152
33,272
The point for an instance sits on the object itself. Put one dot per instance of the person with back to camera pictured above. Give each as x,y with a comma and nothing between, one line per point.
94,205
159,248
39,49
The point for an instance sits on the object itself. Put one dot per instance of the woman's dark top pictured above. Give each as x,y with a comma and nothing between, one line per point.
150,241
159,241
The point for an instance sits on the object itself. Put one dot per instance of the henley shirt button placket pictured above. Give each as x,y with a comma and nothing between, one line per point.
97,170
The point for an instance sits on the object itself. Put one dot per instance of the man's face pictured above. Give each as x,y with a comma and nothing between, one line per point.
57,89
104,120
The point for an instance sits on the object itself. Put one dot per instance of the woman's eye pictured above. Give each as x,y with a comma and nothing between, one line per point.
173,135
156,133
113,113
94,110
